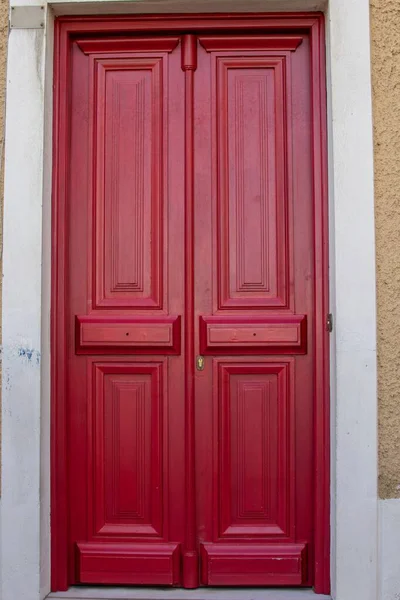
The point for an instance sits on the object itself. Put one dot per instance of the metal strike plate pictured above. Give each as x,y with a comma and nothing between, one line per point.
27,17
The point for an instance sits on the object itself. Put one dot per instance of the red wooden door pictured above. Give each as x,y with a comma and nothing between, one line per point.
126,301
254,311
190,310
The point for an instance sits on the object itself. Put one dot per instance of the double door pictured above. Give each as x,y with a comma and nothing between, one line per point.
190,311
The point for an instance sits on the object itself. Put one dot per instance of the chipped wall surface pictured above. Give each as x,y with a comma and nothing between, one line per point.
385,49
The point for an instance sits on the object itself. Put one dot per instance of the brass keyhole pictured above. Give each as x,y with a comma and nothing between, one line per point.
200,363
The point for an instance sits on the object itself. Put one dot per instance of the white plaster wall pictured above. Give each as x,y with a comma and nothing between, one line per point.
389,580
0,539
352,237
183,6
22,347
46,305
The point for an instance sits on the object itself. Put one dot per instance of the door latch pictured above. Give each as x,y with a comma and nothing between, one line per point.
200,363
329,322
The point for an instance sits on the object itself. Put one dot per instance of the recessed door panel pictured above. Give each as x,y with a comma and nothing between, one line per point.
251,97
127,419
128,116
255,448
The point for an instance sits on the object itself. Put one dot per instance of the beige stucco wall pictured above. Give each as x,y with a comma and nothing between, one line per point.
385,28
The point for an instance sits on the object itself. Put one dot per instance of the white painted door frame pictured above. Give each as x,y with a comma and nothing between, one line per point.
25,502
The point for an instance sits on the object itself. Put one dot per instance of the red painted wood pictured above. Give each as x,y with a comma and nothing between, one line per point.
58,442
255,403
283,334
124,411
116,564
255,228
190,556
252,262
125,403
173,208
127,117
128,44
123,335
273,564
321,298
239,22
251,42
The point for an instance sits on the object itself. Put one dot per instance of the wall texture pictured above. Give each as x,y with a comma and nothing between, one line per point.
385,28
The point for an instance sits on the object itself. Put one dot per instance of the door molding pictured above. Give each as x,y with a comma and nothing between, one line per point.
25,505
65,30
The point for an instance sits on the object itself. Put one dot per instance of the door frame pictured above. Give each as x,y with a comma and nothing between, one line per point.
356,551
65,30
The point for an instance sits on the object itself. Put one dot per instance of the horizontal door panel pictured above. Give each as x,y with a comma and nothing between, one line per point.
280,334
125,563
215,43
129,44
123,335
253,564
